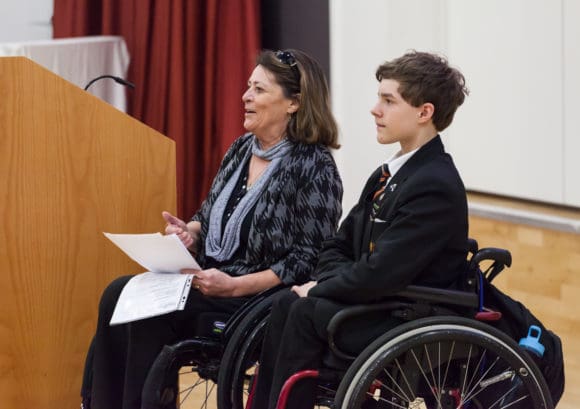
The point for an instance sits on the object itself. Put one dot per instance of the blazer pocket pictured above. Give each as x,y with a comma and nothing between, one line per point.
378,228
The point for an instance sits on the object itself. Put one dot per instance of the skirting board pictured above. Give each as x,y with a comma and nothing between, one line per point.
535,219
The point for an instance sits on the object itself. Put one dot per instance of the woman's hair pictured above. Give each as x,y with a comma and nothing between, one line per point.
425,77
301,77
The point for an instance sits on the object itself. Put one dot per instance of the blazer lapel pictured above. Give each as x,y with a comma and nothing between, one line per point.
425,154
373,227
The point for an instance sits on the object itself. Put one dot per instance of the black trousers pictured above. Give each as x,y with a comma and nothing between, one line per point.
296,339
120,356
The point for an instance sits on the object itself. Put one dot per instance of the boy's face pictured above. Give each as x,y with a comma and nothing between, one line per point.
396,120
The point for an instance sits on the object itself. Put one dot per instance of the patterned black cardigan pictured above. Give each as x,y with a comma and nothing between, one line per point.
298,210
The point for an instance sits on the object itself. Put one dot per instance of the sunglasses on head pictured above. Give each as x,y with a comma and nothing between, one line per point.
287,58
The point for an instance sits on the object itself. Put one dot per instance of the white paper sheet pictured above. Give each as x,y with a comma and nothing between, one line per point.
160,290
151,294
155,252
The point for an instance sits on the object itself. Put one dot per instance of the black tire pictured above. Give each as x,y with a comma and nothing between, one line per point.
181,369
240,357
481,368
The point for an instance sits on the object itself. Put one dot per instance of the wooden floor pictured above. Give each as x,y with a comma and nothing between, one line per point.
202,396
545,276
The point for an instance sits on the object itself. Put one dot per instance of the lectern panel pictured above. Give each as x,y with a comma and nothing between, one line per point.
71,167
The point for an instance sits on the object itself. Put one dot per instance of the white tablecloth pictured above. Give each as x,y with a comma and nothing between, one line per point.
79,60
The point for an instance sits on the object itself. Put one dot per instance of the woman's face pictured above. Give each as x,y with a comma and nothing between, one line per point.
267,110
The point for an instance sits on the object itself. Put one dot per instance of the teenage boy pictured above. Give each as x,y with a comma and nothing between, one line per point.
408,227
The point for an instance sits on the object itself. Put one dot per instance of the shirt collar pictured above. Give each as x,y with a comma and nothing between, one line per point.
397,161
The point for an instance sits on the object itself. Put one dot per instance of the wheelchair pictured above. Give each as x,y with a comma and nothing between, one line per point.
445,355
186,374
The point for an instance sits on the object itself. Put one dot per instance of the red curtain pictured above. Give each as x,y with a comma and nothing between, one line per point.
190,61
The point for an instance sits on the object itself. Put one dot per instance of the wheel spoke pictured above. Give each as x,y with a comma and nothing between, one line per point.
501,398
385,386
431,387
435,383
406,382
514,402
207,394
190,388
466,372
184,394
476,371
409,399
439,384
481,382
449,360
187,391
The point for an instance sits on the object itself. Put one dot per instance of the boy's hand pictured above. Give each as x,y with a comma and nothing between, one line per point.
302,290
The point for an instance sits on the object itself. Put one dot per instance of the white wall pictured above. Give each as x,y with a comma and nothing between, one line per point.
359,33
25,20
571,85
511,129
514,135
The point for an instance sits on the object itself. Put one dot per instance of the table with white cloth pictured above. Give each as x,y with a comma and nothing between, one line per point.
80,60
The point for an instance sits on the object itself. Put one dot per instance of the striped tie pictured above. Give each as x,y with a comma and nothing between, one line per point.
379,194
378,198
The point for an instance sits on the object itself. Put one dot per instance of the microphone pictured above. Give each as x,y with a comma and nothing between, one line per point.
118,80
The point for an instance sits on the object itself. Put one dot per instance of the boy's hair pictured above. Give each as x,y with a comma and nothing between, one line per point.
425,77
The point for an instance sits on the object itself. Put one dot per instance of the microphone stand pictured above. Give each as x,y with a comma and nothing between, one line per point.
118,80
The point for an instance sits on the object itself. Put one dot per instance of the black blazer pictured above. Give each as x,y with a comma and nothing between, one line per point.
420,234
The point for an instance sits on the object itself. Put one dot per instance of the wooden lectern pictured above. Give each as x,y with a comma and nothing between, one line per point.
71,167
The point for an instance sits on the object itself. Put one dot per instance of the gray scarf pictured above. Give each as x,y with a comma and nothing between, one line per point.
222,248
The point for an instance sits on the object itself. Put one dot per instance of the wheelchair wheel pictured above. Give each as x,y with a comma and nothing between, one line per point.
440,363
184,375
242,352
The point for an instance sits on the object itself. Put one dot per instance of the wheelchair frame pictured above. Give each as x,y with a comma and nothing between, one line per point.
435,319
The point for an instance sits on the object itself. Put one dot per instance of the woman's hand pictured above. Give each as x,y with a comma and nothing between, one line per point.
216,283
302,290
177,226
212,282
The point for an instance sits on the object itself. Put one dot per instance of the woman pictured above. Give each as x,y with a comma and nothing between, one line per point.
275,198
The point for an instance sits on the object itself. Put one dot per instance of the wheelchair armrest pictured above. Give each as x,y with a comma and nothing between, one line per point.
414,294
440,296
